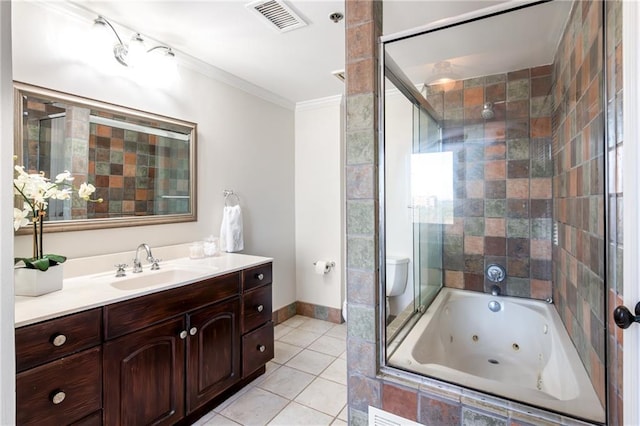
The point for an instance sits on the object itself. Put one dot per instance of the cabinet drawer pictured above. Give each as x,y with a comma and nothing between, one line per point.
256,308
257,348
62,391
256,276
49,340
131,315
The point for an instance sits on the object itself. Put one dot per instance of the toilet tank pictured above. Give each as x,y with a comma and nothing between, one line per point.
396,275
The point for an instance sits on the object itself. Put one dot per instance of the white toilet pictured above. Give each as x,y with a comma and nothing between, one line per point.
396,280
396,277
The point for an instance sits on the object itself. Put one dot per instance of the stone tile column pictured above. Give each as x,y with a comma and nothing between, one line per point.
363,28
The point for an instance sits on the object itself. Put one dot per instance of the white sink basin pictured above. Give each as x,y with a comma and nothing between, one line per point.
150,278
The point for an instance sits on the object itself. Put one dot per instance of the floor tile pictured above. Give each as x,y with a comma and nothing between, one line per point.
287,382
324,395
203,420
344,414
219,420
255,407
283,352
295,321
339,331
296,414
280,330
310,361
336,372
316,326
231,399
339,422
300,338
329,345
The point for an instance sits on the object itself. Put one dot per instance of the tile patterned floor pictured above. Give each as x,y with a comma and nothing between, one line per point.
305,383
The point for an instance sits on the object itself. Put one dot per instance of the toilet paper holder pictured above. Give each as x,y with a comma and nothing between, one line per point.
329,265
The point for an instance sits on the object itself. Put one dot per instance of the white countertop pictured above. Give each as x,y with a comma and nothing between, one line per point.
81,292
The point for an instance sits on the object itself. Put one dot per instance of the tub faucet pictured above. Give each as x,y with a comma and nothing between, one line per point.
137,265
495,290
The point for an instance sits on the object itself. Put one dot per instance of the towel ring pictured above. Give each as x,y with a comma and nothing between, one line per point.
229,197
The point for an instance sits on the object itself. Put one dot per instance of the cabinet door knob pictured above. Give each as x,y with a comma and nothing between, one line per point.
57,396
260,277
58,339
262,348
193,331
183,334
260,308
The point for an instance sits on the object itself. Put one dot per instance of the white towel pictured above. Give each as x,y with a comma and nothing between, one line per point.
231,229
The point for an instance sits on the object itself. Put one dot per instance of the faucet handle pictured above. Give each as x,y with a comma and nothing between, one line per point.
120,271
155,266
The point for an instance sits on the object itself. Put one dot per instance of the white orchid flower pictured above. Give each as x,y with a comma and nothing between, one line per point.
85,191
64,176
20,170
58,194
20,218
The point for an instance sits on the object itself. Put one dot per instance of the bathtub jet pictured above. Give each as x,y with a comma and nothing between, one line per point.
494,306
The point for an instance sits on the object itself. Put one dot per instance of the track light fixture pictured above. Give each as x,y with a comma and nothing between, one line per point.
135,53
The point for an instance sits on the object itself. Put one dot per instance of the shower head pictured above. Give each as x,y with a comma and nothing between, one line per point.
487,111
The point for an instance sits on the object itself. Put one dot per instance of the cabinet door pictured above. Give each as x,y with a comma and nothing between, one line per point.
213,351
144,383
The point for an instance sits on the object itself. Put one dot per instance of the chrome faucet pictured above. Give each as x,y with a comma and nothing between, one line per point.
137,265
495,290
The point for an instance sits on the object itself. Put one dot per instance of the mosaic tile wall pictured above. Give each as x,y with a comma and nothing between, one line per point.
578,185
136,169
502,180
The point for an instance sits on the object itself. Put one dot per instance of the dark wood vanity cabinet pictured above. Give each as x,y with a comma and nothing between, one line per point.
154,359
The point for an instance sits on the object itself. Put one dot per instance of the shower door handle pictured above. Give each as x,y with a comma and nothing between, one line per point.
624,318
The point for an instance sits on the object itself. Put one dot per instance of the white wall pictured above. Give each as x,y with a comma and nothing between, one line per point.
399,225
319,200
245,143
7,354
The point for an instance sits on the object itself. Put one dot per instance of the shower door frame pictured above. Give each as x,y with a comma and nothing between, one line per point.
631,213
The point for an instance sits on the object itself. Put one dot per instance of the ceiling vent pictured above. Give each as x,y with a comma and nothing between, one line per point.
277,15
339,74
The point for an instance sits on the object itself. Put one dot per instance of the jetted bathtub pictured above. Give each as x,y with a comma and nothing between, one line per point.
521,352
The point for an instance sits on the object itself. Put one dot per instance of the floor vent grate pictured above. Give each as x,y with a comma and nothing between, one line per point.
378,417
277,15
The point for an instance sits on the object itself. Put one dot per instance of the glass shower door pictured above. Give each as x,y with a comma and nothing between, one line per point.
431,201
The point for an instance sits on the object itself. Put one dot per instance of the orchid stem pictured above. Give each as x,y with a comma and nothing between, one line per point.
35,238
41,217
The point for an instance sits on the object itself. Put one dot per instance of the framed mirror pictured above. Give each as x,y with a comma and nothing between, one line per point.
143,165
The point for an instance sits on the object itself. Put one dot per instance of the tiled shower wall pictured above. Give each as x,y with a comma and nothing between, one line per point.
502,180
132,170
578,185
